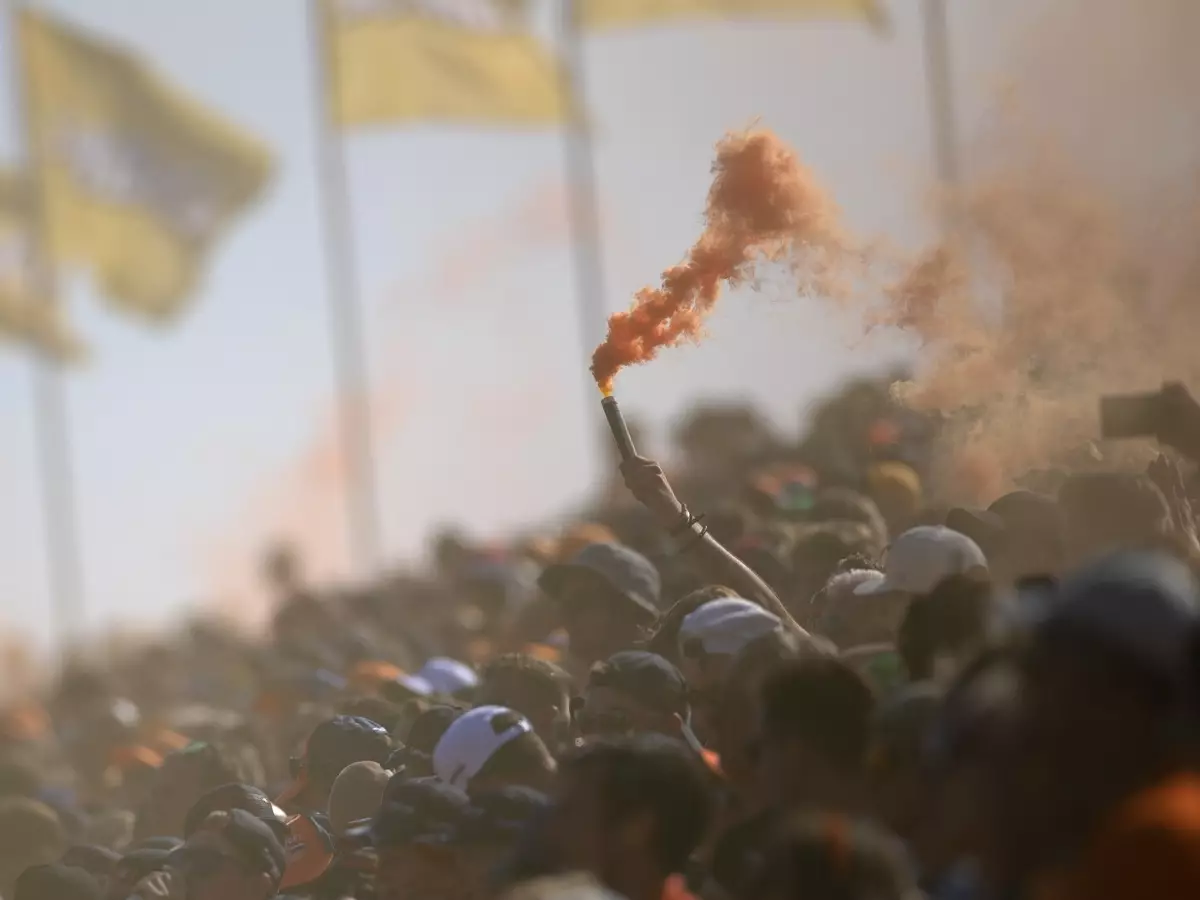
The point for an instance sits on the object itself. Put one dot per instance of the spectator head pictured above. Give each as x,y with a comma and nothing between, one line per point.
537,689
735,717
489,748
665,639
712,635
1022,534
95,860
896,490
815,725
608,595
30,835
820,549
852,609
229,797
333,745
57,881
356,794
389,715
184,777
1110,671
1107,511
449,677
415,758
830,857
946,627
499,821
231,856
417,835
630,811
839,504
633,692
921,558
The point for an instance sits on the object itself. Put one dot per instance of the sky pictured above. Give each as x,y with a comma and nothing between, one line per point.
196,444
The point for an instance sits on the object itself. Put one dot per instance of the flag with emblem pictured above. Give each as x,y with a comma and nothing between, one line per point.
632,13
138,181
476,61
28,315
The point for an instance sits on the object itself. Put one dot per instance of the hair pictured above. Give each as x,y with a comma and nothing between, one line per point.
664,639
523,760
830,857
738,853
654,774
518,673
825,703
954,615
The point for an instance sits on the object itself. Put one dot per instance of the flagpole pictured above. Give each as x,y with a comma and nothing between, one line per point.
943,121
344,299
580,165
52,433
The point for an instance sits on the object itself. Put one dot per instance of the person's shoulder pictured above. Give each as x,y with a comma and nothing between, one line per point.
1172,805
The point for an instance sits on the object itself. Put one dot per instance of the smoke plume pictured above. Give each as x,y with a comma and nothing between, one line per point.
763,205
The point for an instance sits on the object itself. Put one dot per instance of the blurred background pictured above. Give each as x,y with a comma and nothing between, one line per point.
203,421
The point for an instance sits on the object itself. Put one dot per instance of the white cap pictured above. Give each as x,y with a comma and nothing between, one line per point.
725,626
472,739
921,558
448,676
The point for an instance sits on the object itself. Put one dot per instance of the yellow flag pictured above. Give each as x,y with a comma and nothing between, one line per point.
626,13
27,314
451,60
138,181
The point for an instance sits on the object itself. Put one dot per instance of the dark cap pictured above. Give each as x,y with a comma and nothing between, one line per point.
624,570
504,815
335,744
137,864
256,844
236,796
57,882
422,811
646,677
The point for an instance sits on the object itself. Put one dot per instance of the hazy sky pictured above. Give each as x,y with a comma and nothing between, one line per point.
196,443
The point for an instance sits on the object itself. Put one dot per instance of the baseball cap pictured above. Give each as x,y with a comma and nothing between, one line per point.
472,739
335,744
1143,606
647,677
922,557
420,811
626,571
255,843
504,815
448,676
57,882
235,796
356,794
725,626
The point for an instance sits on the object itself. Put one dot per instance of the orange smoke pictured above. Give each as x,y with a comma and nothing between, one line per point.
763,205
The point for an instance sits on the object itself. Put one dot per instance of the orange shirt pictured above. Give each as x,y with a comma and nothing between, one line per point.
1149,849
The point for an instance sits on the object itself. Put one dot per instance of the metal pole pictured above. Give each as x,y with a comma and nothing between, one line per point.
51,424
943,120
345,318
581,185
